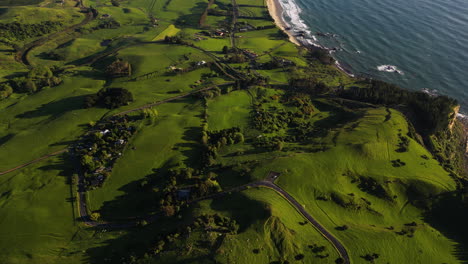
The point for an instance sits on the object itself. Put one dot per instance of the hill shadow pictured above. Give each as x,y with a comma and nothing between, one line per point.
449,215
6,138
241,208
135,202
338,115
55,109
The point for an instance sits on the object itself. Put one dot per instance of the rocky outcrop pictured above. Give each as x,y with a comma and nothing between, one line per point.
453,117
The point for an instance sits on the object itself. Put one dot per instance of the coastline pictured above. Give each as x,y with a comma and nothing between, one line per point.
276,12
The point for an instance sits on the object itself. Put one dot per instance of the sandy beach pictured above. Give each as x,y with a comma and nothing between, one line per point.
276,12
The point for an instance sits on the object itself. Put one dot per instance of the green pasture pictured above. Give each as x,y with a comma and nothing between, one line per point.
170,31
34,125
230,110
270,229
367,150
37,213
171,138
271,225
31,15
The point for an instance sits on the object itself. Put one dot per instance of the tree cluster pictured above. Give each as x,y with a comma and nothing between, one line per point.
100,148
372,187
109,98
203,224
296,122
214,140
321,55
20,31
119,68
403,144
432,113
109,23
36,79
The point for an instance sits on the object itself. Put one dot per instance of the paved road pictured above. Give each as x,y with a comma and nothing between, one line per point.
268,183
336,243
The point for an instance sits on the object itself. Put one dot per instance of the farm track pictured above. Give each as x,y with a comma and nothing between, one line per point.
235,15
22,55
121,113
34,161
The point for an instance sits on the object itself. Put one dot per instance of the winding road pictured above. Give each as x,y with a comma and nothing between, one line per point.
266,183
22,54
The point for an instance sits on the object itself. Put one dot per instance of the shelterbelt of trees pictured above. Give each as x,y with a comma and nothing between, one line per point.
433,113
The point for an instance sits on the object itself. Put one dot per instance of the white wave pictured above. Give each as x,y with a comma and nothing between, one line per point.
338,64
292,12
389,68
462,116
430,92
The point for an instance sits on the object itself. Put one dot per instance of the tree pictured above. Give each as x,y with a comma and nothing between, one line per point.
119,68
29,86
238,137
5,90
109,98
322,55
225,50
279,145
339,261
39,73
168,210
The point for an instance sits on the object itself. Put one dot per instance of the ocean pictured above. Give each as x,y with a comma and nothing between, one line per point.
416,44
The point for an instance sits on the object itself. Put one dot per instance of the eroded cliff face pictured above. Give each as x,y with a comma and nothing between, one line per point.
453,117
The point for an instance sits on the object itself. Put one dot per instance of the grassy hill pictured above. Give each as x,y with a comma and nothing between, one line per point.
213,110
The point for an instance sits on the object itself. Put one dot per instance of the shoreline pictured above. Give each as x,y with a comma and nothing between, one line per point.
276,12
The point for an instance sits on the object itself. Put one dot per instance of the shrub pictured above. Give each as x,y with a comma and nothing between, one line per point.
5,90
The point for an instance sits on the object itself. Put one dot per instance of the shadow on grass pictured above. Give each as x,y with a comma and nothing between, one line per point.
192,149
55,109
137,201
449,215
192,19
338,117
240,207
6,138
136,243
66,167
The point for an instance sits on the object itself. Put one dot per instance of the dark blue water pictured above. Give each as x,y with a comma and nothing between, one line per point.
426,40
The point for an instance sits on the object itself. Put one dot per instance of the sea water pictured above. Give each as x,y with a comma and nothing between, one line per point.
416,44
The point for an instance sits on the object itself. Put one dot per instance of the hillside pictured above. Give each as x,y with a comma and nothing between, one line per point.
195,132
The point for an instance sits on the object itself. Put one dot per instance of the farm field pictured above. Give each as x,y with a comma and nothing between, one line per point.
190,131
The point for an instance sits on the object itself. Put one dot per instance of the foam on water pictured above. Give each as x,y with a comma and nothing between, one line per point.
389,68
426,39
292,18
